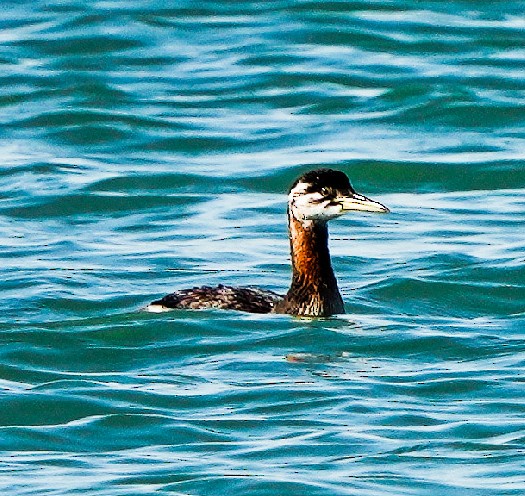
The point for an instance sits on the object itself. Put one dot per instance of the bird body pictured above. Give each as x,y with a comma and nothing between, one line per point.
315,198
252,300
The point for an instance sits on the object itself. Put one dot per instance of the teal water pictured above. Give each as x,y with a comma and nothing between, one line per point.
149,147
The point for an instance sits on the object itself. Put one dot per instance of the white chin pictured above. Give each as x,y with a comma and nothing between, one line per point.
328,213
324,215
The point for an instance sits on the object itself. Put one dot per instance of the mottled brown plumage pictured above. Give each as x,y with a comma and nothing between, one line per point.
252,300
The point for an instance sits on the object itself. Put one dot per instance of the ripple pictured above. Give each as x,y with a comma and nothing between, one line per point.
150,147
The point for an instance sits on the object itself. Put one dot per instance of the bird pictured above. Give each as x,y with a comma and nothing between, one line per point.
315,198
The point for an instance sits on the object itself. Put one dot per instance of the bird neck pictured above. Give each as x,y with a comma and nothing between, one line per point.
314,288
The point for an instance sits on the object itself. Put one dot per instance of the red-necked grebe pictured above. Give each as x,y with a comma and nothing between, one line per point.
314,198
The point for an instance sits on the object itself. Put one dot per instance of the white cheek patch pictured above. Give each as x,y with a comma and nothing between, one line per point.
298,200
299,189
312,206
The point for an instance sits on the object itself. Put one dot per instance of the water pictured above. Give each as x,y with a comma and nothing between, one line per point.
149,147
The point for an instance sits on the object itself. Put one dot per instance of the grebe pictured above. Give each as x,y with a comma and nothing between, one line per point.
314,198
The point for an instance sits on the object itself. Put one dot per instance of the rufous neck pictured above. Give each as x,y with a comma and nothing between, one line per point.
309,250
314,288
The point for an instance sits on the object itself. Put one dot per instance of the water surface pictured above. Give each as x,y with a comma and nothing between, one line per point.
149,147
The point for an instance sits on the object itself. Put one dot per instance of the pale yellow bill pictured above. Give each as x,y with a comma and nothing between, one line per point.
361,203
